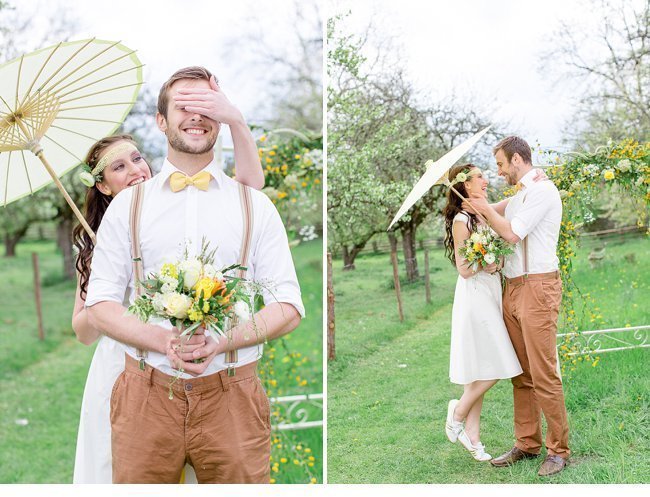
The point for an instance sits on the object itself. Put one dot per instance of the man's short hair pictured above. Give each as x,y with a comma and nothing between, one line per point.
193,72
512,145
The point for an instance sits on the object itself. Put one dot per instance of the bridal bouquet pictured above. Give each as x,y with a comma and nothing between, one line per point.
192,292
484,247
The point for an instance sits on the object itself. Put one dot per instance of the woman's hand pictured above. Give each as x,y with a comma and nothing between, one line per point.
540,175
491,268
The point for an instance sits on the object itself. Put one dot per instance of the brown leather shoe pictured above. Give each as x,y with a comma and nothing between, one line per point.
512,456
552,465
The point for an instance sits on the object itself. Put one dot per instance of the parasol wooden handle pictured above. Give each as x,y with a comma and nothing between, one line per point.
38,152
71,203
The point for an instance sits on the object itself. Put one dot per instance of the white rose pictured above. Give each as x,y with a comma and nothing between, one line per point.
624,165
177,304
191,272
87,179
242,311
461,178
489,258
271,192
158,302
475,237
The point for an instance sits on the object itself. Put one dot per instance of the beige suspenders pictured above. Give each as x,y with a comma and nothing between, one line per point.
247,216
136,254
524,244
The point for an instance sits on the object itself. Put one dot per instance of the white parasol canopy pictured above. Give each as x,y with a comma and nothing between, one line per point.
58,101
436,174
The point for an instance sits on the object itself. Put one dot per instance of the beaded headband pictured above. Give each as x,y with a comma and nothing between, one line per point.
90,177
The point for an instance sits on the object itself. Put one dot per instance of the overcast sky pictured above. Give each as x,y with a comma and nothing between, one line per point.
170,34
491,49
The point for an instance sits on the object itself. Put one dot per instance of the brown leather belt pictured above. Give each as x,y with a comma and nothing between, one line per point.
519,280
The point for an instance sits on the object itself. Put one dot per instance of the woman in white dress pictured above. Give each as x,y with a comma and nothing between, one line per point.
124,167
481,350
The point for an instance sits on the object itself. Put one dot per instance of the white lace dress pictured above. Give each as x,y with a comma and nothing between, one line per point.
480,345
93,462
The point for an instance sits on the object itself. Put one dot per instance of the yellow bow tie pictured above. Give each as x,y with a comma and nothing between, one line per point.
178,181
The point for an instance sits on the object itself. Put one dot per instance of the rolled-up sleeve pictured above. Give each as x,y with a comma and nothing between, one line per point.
111,263
273,266
537,203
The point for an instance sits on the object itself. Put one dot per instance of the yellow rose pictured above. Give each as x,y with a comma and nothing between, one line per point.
608,174
205,287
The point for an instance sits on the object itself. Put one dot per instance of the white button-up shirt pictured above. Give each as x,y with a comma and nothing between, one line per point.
170,220
536,212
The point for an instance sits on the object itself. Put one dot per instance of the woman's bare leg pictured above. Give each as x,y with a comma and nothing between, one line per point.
473,392
473,421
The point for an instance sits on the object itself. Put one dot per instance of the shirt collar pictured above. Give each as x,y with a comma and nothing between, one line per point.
168,169
527,179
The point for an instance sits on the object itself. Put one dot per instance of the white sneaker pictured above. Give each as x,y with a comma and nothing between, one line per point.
452,428
477,451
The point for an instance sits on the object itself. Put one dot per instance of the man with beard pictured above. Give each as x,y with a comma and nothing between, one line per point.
531,304
218,419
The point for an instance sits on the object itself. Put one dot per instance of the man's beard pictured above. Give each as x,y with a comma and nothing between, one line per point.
177,143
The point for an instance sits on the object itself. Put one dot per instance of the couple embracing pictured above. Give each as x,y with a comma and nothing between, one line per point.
160,407
509,333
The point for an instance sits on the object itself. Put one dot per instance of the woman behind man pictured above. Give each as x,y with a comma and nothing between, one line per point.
115,164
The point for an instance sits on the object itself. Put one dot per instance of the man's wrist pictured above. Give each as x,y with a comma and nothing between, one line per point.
161,340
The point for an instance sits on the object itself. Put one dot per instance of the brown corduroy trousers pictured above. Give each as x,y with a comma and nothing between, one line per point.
219,424
530,310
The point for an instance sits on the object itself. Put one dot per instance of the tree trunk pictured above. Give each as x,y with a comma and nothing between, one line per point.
64,241
350,254
331,321
11,240
408,247
10,245
393,259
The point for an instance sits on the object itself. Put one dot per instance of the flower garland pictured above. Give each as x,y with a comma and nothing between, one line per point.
579,180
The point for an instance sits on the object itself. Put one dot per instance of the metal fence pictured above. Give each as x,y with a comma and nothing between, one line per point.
297,410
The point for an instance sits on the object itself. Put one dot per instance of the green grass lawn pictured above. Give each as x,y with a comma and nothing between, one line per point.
42,382
388,388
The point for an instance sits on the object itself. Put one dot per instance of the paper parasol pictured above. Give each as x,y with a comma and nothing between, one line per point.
58,101
435,174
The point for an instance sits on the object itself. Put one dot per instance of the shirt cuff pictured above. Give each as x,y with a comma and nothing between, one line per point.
102,293
293,300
